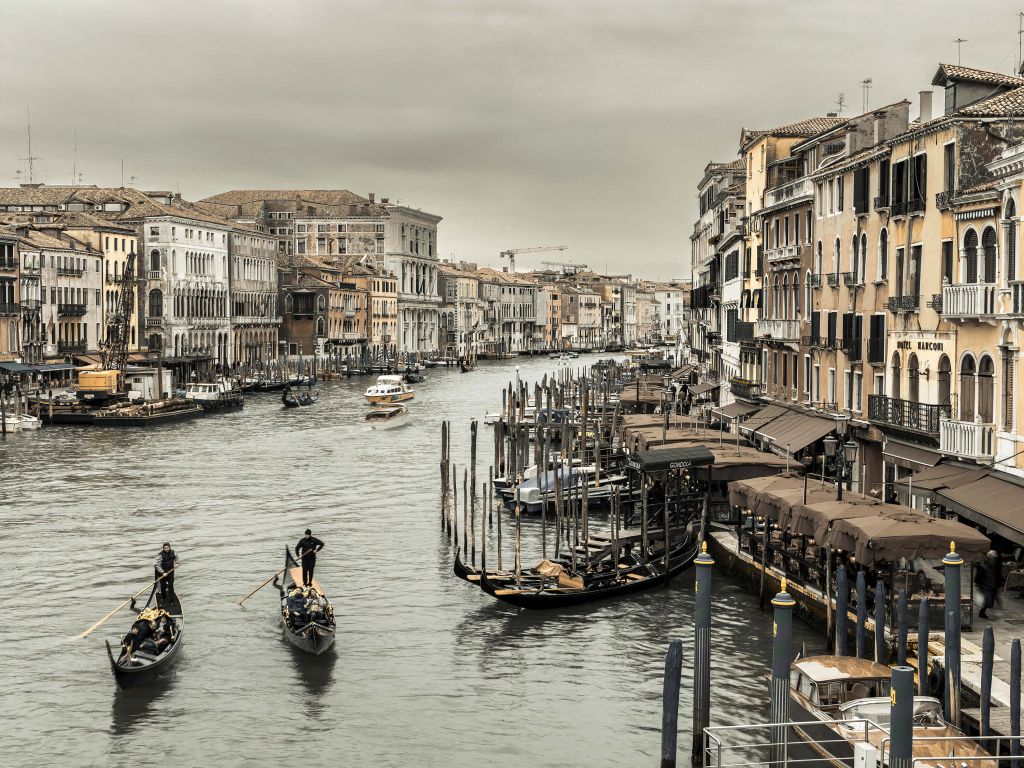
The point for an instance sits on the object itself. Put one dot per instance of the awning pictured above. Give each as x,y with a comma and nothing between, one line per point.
992,502
905,533
671,458
681,371
795,434
761,418
909,456
700,389
746,493
734,410
943,476
815,519
16,367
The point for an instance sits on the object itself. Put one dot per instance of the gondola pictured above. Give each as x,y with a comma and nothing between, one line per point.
289,400
316,635
413,377
141,666
595,587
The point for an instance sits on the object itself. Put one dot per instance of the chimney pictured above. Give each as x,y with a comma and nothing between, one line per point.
831,114
879,127
926,107
371,196
384,201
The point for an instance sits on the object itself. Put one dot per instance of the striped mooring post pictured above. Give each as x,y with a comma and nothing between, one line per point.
842,610
901,718
701,652
952,562
782,635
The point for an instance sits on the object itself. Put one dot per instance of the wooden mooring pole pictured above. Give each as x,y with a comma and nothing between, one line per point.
670,703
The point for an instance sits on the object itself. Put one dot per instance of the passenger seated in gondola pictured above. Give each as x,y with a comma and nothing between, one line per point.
298,613
137,635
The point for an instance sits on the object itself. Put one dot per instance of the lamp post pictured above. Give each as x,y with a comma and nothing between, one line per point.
845,458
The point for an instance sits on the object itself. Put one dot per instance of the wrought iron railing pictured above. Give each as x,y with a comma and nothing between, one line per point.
745,389
11,308
71,309
904,303
69,347
852,347
906,414
833,279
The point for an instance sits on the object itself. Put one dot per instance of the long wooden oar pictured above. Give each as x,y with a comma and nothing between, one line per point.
261,586
104,620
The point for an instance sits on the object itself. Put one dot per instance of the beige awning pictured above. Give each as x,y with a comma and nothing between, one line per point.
909,456
905,533
762,417
734,411
993,501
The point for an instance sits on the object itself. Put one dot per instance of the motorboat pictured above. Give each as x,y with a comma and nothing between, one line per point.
534,494
30,422
837,701
387,417
217,395
389,389
492,418
12,423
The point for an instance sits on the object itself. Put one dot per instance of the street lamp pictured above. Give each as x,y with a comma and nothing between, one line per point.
845,458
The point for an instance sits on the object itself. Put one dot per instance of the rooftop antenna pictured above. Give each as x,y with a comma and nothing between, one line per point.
865,85
840,104
30,161
1020,42
122,173
959,44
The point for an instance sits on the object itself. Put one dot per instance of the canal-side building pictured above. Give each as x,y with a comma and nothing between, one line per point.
327,224
252,285
383,311
10,297
462,310
588,325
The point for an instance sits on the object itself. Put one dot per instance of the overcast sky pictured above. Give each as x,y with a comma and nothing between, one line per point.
521,123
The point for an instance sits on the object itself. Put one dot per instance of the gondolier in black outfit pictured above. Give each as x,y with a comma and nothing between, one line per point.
306,549
166,560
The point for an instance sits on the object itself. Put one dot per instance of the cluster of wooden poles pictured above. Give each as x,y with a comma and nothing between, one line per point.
552,444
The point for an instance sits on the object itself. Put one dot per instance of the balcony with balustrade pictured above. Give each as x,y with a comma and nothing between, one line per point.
10,308
853,279
8,263
71,347
833,279
814,280
792,190
967,439
777,330
745,332
904,303
71,310
906,415
745,389
70,270
969,301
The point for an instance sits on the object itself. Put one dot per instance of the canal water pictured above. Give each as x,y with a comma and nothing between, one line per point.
426,671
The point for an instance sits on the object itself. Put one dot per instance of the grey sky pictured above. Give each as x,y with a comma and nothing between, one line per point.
522,123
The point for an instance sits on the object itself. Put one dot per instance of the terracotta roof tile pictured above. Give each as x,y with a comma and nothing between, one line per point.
947,72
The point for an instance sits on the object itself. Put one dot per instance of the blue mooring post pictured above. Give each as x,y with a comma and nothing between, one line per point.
952,562
922,649
862,614
670,703
842,610
1015,702
902,629
901,718
782,635
881,652
701,652
988,652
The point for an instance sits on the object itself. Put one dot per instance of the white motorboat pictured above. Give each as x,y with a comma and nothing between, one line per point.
388,417
389,389
12,423
215,395
30,422
492,418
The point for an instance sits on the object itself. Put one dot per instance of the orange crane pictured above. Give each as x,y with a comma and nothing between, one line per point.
510,254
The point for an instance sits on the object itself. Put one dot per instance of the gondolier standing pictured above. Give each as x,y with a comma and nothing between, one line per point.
306,549
166,561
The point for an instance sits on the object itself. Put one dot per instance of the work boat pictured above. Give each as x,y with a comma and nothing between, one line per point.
215,395
389,389
840,700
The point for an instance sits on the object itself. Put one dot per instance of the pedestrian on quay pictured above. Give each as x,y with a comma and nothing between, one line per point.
987,582
166,562
306,549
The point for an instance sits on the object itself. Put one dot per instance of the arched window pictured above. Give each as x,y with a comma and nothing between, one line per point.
986,389
154,260
944,383
970,260
288,303
819,263
883,254
321,327
1011,240
896,374
863,267
913,388
854,256
156,303
835,258
988,244
321,303
967,378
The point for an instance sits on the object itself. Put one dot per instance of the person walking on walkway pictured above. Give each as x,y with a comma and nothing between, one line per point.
166,562
987,581
306,549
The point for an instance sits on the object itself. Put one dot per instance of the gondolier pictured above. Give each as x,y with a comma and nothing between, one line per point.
306,549
166,562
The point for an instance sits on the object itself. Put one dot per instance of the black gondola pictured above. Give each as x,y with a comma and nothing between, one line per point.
142,666
314,634
595,587
289,400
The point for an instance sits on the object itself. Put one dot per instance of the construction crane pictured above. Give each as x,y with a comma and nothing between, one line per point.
510,254
109,382
568,267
